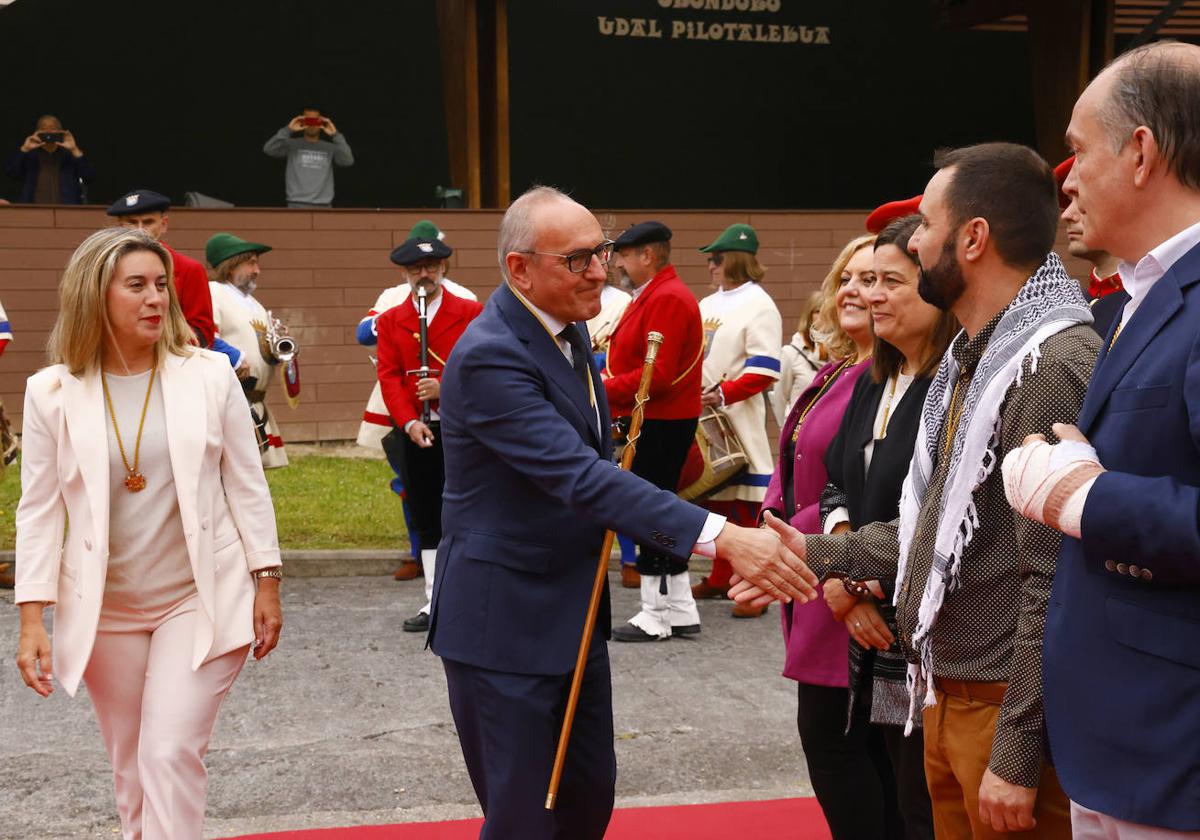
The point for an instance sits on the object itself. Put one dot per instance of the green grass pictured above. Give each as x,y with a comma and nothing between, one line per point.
320,502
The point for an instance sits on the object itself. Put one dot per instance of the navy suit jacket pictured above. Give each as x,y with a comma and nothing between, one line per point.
530,489
1122,645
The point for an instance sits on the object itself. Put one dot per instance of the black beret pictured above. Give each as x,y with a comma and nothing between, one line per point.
139,201
418,248
643,233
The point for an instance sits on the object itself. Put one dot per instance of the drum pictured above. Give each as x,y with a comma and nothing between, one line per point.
716,457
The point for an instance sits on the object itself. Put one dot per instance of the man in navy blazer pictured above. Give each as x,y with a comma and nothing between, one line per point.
1122,641
530,489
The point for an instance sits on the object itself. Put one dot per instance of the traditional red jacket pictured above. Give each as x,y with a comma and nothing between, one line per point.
399,349
669,307
195,299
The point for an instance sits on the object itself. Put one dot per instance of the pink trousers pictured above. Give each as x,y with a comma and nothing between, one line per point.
156,715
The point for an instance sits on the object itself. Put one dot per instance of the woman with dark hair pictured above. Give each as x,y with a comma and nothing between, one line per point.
866,463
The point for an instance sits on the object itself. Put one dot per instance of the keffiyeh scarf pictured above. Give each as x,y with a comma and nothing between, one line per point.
1049,302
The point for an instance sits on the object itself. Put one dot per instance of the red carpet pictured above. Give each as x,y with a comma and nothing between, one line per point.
794,819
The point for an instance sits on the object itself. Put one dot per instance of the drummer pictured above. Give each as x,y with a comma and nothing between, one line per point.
662,303
742,336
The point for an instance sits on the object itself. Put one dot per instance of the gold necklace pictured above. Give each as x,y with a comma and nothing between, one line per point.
887,409
1116,333
134,480
837,372
956,410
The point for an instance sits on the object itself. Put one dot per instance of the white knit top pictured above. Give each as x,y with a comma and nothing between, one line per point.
148,566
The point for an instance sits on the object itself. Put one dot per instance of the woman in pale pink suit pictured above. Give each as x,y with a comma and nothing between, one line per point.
146,523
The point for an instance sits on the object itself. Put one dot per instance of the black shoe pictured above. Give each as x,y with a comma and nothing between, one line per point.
419,623
685,630
629,633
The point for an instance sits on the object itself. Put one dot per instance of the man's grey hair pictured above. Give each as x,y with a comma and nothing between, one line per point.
1158,86
517,230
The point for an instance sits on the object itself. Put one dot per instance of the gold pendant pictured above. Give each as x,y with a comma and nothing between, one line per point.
135,482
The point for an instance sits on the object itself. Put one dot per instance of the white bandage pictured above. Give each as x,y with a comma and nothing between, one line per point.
1049,484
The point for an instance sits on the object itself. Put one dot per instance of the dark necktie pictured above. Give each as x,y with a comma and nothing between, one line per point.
579,352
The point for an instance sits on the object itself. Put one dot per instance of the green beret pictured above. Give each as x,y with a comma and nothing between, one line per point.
739,237
426,229
222,246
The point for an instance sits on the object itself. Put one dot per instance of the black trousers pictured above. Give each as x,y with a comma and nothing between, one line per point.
864,794
423,472
508,726
662,450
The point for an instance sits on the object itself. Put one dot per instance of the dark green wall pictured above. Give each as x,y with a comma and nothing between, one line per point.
180,96
183,98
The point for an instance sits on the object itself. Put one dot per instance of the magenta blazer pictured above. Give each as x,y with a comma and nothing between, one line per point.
816,644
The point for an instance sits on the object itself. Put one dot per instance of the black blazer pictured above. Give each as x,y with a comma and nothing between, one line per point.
879,499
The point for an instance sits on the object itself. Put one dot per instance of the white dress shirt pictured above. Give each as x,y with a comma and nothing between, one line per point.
1140,279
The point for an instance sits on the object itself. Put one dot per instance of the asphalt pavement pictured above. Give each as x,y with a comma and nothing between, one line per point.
347,723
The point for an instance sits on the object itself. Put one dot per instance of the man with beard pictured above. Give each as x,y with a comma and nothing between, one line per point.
973,577
405,391
1122,643
1105,288
242,322
661,302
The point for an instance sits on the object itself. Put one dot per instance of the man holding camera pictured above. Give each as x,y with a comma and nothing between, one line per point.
312,145
50,165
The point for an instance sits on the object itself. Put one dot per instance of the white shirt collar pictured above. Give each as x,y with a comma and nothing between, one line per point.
554,325
641,288
1140,278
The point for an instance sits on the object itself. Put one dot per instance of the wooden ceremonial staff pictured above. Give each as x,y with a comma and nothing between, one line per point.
653,342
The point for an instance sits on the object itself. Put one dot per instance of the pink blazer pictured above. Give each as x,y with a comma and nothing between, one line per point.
224,502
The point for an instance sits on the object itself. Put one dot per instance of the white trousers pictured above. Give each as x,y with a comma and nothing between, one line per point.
1087,824
156,715
660,612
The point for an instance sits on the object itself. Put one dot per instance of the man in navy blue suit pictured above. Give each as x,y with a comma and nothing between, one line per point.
530,489
1122,640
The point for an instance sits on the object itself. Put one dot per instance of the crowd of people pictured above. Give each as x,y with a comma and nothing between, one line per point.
981,523
52,169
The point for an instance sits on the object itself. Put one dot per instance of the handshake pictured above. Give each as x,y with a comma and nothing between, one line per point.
768,563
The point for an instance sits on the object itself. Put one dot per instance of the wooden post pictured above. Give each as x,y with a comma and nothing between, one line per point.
1060,36
493,95
458,33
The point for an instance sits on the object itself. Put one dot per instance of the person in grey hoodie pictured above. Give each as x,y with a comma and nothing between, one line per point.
312,145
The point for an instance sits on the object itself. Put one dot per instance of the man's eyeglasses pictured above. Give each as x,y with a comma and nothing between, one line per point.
433,270
578,262
717,258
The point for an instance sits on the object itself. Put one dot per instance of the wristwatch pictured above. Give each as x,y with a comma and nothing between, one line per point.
275,572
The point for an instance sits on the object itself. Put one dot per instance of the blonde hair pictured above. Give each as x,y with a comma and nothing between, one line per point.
740,266
839,342
77,338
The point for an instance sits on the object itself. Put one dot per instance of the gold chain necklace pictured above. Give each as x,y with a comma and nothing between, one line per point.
134,480
824,387
887,409
956,410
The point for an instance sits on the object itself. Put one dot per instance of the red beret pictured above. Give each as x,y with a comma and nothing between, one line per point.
891,211
1060,176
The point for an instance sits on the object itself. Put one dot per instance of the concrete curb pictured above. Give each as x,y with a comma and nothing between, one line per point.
368,562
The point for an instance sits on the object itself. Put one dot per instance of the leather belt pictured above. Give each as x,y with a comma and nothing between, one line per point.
988,692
